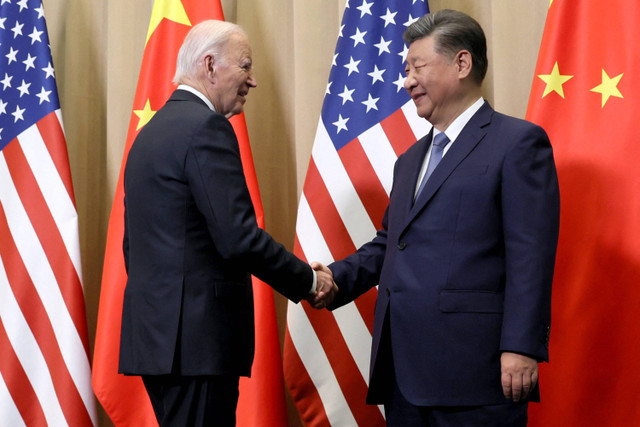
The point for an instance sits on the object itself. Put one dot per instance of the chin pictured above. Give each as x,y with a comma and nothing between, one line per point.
424,114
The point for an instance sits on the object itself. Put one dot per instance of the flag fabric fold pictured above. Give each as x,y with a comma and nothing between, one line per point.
262,400
44,351
586,94
367,121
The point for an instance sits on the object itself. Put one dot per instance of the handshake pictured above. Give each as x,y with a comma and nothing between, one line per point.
326,288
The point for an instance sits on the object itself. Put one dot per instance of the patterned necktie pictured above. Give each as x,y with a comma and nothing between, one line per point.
439,142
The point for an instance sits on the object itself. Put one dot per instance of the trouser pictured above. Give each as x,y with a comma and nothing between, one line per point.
193,401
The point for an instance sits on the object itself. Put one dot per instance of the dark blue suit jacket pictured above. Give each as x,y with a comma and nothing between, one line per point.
465,273
191,241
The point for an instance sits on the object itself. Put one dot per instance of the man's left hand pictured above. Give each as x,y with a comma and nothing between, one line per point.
519,375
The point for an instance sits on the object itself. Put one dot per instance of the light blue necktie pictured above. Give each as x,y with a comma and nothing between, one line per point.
439,142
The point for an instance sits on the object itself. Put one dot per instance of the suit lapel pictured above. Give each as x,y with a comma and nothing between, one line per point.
408,177
471,135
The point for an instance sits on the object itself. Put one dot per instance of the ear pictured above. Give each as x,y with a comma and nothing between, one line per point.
464,63
209,66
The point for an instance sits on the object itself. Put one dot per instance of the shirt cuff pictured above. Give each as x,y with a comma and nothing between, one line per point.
314,283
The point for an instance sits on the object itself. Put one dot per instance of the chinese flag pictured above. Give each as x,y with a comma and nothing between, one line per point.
262,399
586,94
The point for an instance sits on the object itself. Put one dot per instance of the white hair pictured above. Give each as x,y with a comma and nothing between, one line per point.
206,38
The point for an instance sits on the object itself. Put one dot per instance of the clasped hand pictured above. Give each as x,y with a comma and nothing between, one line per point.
326,288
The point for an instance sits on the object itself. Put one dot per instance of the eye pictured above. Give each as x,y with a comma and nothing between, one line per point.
415,68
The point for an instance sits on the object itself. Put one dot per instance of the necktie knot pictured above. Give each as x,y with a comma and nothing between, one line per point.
440,140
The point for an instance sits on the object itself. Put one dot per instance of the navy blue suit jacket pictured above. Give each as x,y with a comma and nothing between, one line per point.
191,241
465,273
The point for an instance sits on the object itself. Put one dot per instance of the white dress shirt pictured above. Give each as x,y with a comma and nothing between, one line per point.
452,133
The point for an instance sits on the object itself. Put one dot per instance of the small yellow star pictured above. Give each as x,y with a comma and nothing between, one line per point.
550,3
144,115
173,10
608,87
554,81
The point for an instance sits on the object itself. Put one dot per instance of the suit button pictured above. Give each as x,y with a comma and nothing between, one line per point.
402,245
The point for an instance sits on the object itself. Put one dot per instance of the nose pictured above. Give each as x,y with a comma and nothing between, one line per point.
409,81
251,81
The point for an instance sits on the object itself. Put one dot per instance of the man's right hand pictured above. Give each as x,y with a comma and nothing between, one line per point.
326,288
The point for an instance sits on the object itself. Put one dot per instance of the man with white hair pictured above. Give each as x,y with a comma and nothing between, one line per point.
191,241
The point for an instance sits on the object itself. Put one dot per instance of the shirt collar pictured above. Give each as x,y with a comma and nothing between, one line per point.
461,121
197,93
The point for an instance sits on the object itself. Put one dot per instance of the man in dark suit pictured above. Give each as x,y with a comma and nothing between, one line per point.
191,241
464,261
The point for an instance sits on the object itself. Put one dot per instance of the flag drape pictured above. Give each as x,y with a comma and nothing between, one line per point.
44,352
367,121
586,95
262,400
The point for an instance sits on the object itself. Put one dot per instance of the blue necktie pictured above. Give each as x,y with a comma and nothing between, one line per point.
439,142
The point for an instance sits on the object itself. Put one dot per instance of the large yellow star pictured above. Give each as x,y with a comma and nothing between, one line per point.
144,115
608,87
554,81
173,10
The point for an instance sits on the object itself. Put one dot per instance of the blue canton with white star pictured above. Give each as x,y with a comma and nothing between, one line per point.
27,82
366,83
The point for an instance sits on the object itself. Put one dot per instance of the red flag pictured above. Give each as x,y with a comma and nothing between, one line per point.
44,351
367,121
262,398
586,94
124,398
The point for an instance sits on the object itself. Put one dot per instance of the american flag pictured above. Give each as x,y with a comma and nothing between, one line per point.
44,363
367,121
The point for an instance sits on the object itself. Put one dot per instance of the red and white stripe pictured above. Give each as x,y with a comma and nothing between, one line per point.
342,204
44,364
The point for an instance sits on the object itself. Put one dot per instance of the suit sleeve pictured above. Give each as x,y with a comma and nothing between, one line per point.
125,239
215,174
531,210
359,272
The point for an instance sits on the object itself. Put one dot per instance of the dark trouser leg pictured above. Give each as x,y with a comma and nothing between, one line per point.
193,401
504,415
